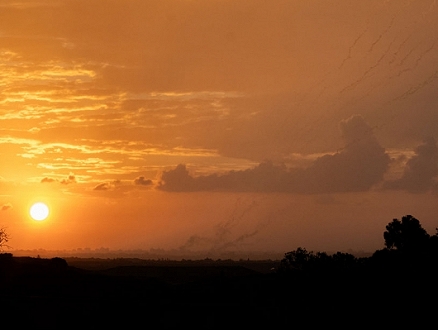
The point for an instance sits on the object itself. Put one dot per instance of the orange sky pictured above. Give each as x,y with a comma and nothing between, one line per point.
217,125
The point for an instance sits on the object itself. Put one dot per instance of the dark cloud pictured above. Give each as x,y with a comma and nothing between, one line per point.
142,181
103,186
179,180
6,206
47,180
112,185
71,179
420,170
357,167
265,177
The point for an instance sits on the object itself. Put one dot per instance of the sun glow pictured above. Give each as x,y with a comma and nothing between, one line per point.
39,211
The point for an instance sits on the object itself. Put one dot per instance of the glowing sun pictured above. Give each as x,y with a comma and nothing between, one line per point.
39,211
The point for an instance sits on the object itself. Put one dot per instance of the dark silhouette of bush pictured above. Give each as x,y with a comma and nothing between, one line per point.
303,260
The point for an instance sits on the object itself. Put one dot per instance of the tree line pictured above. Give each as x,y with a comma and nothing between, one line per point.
407,246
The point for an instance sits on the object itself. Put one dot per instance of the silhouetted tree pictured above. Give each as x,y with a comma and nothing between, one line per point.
301,259
407,246
433,242
406,235
4,239
298,259
344,260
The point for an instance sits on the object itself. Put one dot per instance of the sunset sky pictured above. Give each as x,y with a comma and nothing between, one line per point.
217,125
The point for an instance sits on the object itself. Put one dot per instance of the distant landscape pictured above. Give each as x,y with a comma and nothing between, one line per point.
158,254
395,284
152,254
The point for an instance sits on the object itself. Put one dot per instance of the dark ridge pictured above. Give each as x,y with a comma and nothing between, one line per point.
395,286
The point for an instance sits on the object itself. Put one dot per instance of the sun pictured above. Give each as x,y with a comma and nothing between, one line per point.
39,211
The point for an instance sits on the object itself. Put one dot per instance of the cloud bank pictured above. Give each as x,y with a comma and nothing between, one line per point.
420,171
359,166
70,179
142,181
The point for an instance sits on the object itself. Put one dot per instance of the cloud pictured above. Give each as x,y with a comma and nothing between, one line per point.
141,181
34,130
178,180
6,206
420,169
108,185
103,186
70,179
360,165
47,180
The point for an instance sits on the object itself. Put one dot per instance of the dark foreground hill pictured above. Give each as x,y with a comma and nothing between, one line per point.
131,294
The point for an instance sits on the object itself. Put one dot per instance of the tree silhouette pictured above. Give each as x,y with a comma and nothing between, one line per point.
297,259
301,259
407,243
4,239
406,235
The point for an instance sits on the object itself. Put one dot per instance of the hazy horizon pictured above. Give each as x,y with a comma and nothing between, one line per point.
167,255
217,125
